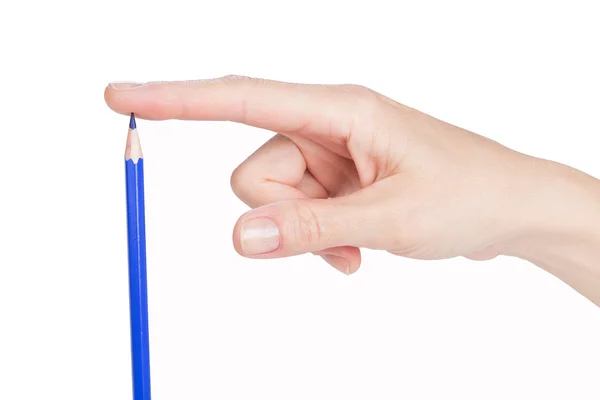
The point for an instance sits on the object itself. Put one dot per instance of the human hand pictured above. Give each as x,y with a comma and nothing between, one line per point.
351,168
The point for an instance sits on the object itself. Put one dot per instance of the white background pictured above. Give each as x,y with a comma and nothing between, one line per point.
222,327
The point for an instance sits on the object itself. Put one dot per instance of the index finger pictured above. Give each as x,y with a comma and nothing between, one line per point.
278,106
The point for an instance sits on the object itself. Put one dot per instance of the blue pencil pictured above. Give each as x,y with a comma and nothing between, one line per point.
138,288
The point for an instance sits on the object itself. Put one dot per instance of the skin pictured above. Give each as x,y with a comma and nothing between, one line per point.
349,168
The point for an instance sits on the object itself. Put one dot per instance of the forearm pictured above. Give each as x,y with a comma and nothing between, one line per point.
563,233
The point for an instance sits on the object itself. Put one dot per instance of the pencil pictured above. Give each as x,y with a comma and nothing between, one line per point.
138,288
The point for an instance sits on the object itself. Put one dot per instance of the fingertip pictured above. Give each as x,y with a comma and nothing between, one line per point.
257,235
145,101
112,100
107,94
345,259
337,262
354,266
235,238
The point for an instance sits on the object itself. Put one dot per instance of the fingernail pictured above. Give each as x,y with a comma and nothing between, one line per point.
124,85
337,262
258,236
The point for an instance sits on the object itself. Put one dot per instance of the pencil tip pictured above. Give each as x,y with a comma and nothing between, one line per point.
132,122
133,148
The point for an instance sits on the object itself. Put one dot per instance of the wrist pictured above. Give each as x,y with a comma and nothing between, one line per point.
560,225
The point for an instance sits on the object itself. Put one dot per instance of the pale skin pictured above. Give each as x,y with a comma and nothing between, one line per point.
349,168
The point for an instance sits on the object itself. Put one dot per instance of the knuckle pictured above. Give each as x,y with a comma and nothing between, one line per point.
363,105
359,94
355,89
241,180
243,85
308,228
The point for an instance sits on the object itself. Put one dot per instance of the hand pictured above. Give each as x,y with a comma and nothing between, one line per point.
351,168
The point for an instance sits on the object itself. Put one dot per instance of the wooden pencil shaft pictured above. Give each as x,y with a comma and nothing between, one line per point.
138,289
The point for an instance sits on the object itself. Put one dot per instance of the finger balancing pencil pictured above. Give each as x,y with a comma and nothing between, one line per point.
136,244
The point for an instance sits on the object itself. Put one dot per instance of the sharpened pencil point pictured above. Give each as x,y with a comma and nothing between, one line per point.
133,148
132,122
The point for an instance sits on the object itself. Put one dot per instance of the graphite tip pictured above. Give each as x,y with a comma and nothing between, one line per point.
132,122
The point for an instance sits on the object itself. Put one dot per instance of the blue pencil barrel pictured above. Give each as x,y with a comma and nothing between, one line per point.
138,290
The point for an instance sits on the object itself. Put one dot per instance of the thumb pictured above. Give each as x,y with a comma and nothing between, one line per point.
299,226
